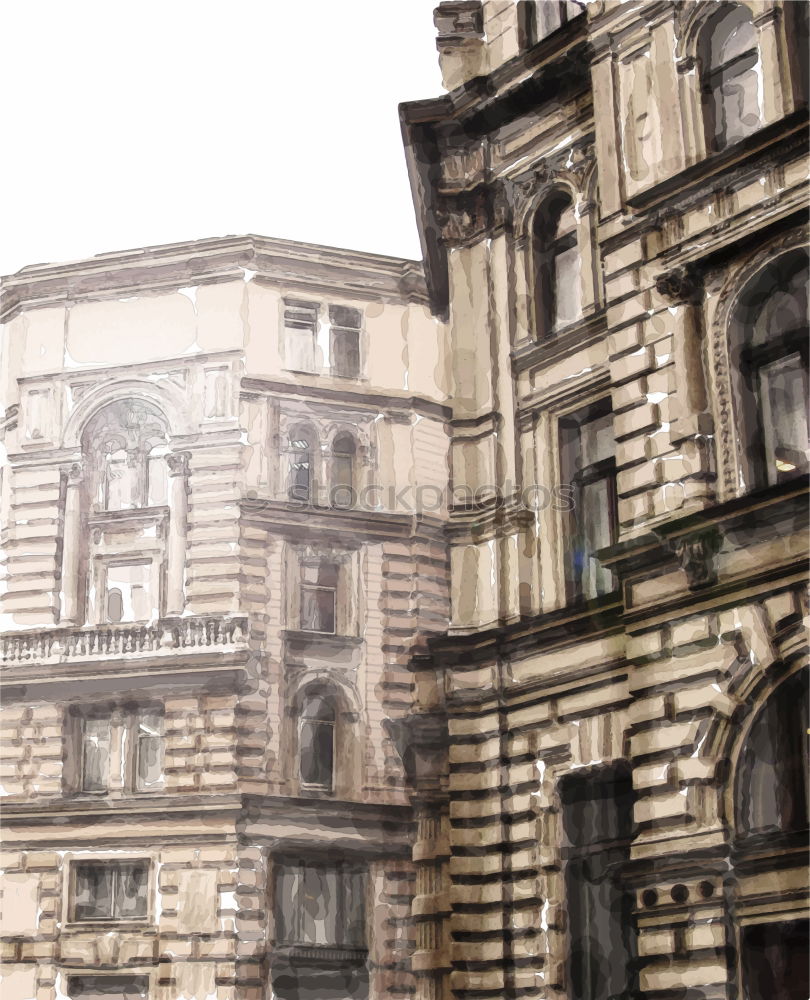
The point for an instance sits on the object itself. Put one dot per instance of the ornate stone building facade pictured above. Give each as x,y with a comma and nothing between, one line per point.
372,635
613,206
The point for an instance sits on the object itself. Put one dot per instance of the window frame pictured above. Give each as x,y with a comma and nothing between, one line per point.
747,359
304,721
602,471
301,315
349,459
336,330
712,77
547,244
94,977
123,748
74,862
296,491
311,588
286,911
607,856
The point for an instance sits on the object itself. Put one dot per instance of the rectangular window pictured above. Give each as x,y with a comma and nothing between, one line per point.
321,905
588,467
108,987
319,598
129,592
597,820
345,340
775,960
300,335
123,744
109,890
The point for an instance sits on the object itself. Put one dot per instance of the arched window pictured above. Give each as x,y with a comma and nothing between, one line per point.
771,822
115,605
771,788
124,443
730,76
342,493
301,459
316,743
557,296
769,353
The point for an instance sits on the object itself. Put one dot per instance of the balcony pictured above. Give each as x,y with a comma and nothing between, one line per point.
175,638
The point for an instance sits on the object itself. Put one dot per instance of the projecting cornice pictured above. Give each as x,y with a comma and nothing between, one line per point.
182,265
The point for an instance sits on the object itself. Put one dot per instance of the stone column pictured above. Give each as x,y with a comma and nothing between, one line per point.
176,542
71,610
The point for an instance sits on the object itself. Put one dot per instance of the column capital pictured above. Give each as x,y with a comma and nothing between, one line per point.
75,473
177,463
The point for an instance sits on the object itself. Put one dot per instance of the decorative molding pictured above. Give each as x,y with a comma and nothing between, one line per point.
696,556
681,284
178,463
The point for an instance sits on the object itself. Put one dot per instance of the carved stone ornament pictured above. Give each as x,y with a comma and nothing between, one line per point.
458,20
696,555
74,473
463,218
178,463
681,284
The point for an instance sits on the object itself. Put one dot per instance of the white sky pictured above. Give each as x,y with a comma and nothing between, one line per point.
128,124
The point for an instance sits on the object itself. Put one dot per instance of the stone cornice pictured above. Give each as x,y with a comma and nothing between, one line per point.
349,527
178,265
365,399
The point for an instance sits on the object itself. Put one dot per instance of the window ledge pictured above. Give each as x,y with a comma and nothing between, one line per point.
302,635
144,923
323,953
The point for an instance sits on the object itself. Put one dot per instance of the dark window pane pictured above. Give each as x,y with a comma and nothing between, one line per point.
93,892
355,909
110,891
320,905
587,466
597,823
318,609
287,909
317,753
95,755
115,605
772,779
775,961
300,469
131,891
108,987
783,388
